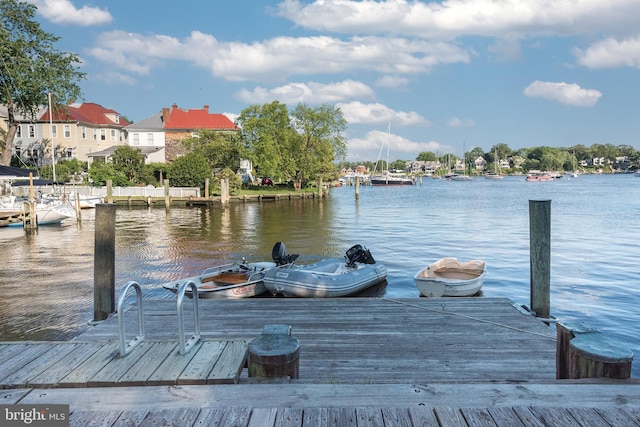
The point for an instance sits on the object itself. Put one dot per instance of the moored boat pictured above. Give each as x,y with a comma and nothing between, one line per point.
13,213
226,281
234,280
535,176
449,277
390,179
329,278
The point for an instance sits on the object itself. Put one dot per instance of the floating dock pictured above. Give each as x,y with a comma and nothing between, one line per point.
362,362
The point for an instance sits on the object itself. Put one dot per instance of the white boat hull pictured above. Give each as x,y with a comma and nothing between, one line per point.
449,277
227,281
329,278
46,214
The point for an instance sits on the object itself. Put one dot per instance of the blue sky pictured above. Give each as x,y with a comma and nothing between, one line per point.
443,74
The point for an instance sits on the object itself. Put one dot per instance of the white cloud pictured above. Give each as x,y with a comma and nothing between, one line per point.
278,58
371,146
231,116
456,122
358,113
64,12
450,19
311,93
565,93
392,82
611,53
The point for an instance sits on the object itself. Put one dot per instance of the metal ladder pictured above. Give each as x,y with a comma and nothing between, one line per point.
185,345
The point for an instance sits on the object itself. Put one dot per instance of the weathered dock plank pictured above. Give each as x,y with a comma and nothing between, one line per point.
197,371
359,340
80,375
55,373
230,364
143,368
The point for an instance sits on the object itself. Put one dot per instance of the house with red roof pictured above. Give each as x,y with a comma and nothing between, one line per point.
160,136
76,131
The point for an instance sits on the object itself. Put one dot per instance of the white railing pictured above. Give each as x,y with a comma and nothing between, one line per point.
148,191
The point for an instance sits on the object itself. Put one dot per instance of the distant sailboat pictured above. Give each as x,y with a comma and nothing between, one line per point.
464,176
386,177
497,171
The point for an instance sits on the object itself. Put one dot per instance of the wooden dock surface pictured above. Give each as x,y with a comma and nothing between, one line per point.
374,340
363,362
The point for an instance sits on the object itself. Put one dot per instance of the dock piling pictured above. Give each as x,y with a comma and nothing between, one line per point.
584,352
274,353
104,262
540,256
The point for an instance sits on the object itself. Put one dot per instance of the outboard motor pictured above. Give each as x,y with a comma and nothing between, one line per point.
360,254
279,254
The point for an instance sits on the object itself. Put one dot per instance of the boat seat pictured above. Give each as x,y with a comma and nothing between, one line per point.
332,267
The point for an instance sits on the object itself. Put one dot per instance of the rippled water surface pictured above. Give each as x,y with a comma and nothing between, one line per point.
46,280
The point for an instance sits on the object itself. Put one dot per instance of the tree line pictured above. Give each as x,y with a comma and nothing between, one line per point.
526,159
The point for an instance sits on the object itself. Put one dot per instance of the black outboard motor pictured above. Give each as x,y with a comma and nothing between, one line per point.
360,254
279,255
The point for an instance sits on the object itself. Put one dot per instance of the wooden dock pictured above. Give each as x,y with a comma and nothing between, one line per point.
363,362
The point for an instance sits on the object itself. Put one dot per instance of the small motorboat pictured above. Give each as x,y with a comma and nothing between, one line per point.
234,280
329,278
449,277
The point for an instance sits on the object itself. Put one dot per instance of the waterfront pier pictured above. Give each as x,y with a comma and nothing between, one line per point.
362,362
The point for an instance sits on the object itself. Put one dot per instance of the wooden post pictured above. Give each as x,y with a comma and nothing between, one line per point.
78,208
357,187
104,262
274,353
167,197
586,353
320,189
109,198
29,217
540,256
224,191
206,188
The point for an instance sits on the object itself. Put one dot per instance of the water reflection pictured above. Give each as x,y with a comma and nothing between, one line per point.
46,280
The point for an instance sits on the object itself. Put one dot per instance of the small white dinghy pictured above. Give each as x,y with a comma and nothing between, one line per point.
329,278
449,277
227,281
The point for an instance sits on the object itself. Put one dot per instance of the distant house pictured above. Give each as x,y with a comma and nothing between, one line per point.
161,135
78,130
479,163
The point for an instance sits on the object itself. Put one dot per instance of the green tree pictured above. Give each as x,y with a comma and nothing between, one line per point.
100,172
319,142
129,161
427,156
399,165
190,170
267,135
293,146
31,68
221,149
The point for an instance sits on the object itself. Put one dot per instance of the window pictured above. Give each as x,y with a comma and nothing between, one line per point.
54,131
19,132
117,119
67,131
32,131
149,139
84,132
95,134
136,138
103,135
113,134
69,152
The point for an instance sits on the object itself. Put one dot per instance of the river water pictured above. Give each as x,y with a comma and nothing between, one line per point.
46,280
